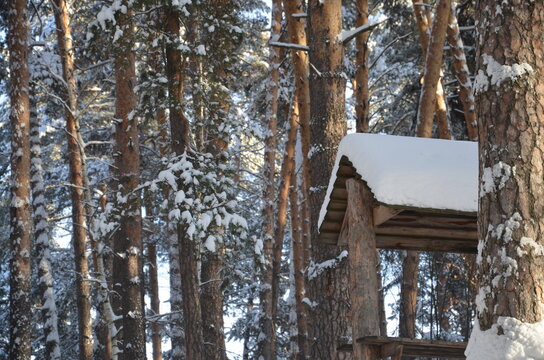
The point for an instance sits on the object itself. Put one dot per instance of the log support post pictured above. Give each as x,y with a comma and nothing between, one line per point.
358,230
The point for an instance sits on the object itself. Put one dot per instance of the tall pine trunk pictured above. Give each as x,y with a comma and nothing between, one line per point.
511,215
20,333
330,290
267,343
296,29
189,250
79,220
127,271
361,73
433,65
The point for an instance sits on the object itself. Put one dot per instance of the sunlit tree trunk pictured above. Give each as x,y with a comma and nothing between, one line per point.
286,172
509,98
462,74
297,249
296,29
433,65
361,73
79,236
330,290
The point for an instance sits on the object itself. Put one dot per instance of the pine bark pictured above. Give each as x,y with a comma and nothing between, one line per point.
189,250
297,248
408,290
433,65
296,29
20,331
267,343
462,74
286,172
79,213
511,214
362,93
127,271
153,290
42,244
330,290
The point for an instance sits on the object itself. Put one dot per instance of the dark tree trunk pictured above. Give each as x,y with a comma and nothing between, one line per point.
267,343
20,331
128,238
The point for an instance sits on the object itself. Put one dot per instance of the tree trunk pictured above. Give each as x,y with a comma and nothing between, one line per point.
462,74
128,238
189,250
19,294
408,290
297,248
156,340
511,216
330,290
79,220
267,343
358,228
42,243
423,19
433,65
361,73
297,35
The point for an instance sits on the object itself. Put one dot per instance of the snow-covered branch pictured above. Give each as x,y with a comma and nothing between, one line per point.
345,36
289,45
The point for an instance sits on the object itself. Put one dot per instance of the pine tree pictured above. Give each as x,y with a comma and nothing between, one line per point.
127,268
20,225
510,213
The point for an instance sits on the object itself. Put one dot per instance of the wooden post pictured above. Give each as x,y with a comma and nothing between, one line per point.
358,229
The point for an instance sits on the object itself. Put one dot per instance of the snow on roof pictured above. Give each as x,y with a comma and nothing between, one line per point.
412,172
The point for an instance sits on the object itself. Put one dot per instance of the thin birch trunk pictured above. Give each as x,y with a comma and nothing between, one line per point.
462,74
267,343
42,242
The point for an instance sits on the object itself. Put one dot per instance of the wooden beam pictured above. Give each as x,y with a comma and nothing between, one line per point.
437,233
358,229
383,213
426,244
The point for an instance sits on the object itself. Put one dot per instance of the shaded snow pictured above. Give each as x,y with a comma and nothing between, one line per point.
519,341
413,172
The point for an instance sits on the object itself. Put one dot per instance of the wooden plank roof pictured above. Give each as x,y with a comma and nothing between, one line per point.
412,347
401,227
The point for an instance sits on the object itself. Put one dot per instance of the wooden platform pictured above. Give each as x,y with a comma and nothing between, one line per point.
401,347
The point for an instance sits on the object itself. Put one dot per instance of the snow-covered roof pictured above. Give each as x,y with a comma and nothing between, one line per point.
412,172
